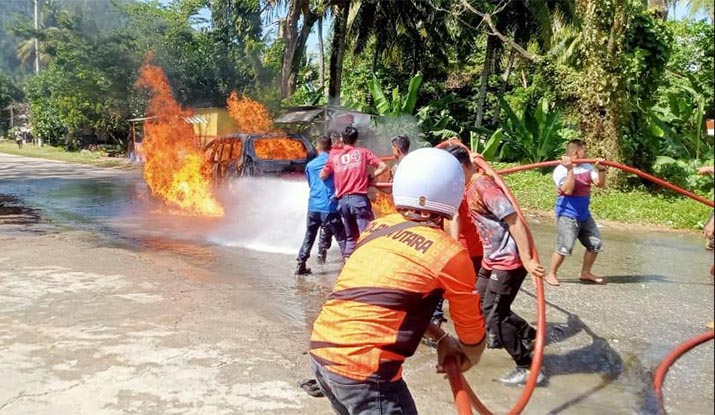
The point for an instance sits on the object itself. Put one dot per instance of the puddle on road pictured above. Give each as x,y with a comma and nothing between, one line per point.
14,212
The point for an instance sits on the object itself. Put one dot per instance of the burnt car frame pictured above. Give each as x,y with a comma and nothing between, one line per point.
235,156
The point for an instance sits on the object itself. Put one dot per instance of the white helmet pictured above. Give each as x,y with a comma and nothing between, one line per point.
429,179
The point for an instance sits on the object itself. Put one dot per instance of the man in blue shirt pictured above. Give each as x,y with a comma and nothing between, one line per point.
573,217
322,206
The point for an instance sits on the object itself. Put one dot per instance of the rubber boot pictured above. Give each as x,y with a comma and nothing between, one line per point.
301,269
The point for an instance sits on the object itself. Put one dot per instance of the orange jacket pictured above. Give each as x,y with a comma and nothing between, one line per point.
384,298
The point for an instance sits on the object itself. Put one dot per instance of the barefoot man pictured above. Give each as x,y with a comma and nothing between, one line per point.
573,217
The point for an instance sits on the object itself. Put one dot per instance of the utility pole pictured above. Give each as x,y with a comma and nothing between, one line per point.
37,42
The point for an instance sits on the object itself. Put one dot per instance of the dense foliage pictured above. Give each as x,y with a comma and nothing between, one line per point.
516,79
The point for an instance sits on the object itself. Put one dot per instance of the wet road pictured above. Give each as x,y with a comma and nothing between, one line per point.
604,341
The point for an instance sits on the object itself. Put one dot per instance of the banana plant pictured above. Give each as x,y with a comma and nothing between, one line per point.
398,104
679,125
488,149
532,136
438,125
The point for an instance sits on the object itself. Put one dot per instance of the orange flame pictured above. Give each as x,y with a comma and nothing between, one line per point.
175,168
383,204
253,117
279,149
250,116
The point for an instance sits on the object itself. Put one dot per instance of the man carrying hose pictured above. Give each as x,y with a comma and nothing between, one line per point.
573,218
349,165
507,260
383,298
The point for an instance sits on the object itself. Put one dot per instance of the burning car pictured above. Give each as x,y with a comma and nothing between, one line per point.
266,154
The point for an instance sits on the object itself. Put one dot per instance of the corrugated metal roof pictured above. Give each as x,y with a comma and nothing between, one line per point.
196,119
300,116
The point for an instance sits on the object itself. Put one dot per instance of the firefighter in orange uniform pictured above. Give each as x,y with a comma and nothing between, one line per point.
384,297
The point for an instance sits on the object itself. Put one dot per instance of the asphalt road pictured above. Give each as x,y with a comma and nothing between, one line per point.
108,304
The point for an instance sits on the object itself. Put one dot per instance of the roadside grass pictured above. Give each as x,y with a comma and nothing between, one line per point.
535,190
95,158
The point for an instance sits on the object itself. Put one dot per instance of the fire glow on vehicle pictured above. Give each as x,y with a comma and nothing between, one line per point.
253,117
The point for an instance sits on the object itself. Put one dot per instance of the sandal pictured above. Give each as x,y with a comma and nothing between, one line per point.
595,281
310,386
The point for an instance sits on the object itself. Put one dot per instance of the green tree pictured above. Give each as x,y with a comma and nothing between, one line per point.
9,93
203,65
620,63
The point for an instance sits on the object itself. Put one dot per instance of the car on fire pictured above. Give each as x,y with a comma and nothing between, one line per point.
264,154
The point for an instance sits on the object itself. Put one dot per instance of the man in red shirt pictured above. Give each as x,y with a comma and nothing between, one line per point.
349,166
507,260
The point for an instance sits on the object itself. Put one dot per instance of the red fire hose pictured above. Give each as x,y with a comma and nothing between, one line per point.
662,369
618,166
463,394
459,385
628,169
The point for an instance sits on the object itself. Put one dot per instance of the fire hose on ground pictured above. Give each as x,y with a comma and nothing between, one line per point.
464,396
662,369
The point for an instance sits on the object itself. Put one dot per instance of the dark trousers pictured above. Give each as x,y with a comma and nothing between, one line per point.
325,238
438,312
356,212
316,220
497,290
364,398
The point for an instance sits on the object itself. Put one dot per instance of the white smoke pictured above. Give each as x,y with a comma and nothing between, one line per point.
378,139
264,214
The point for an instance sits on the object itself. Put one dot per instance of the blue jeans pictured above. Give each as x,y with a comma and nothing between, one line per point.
356,211
315,221
350,397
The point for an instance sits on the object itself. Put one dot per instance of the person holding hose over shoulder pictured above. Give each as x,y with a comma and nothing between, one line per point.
506,262
383,299
573,217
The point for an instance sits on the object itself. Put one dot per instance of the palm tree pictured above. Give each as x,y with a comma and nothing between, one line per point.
524,21
404,30
410,28
702,6
51,17
341,9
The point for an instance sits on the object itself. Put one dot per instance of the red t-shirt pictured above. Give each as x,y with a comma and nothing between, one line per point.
468,235
349,167
488,206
